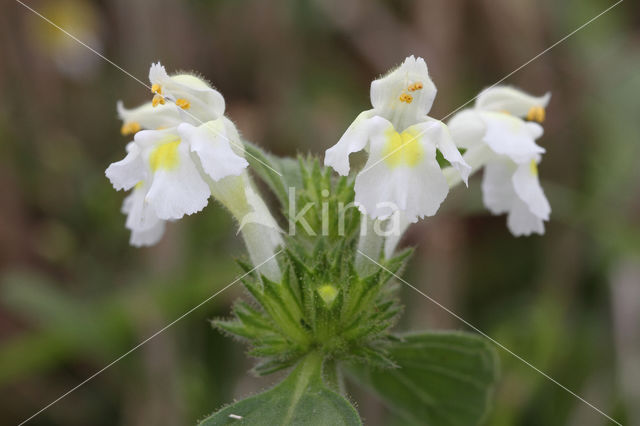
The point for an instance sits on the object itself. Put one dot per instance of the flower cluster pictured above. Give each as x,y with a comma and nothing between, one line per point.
184,150
402,174
500,133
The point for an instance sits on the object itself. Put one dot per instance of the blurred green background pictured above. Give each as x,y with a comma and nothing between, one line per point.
74,296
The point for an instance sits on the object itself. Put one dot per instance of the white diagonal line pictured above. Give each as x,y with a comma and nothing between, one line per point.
146,85
419,134
146,340
494,341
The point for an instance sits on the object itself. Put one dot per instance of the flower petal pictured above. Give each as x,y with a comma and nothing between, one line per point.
527,187
177,188
437,133
416,190
146,228
467,129
201,103
354,139
148,237
158,74
150,117
140,215
511,100
521,222
405,95
498,194
126,173
511,136
211,143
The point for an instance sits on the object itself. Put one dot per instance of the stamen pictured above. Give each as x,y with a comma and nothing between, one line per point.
183,103
415,86
533,167
157,100
156,88
130,128
406,98
536,113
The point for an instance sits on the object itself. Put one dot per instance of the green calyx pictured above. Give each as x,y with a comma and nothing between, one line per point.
321,305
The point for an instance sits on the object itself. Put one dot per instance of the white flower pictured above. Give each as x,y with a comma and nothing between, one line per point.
185,151
402,140
179,148
497,137
176,163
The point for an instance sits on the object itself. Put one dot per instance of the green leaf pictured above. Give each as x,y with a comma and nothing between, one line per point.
301,399
278,173
441,379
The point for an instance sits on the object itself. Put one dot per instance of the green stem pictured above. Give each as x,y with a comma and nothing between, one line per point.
309,370
332,375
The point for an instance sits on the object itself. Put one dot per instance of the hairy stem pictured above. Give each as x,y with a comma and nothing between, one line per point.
333,376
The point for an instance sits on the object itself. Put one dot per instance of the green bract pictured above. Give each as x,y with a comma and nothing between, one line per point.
325,315
322,304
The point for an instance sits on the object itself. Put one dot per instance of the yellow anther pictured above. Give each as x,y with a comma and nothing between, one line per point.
533,167
183,103
130,128
156,88
157,100
536,113
406,98
415,86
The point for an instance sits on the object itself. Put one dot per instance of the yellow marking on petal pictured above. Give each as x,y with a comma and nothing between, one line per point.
328,293
156,89
165,156
504,111
402,148
536,113
130,128
157,100
139,185
415,86
183,103
533,167
405,97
